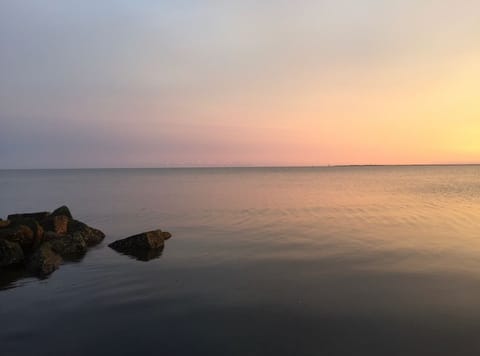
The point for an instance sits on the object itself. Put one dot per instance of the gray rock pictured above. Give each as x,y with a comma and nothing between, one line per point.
10,253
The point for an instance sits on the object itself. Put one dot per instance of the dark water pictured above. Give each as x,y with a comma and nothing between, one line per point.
311,261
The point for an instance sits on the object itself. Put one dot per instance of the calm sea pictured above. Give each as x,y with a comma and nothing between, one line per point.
263,261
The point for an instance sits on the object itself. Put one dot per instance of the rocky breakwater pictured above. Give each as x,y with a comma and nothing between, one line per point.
40,241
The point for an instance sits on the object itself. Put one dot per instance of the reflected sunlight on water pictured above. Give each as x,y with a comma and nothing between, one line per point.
371,260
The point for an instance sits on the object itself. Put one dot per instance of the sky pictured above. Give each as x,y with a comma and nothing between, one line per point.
150,83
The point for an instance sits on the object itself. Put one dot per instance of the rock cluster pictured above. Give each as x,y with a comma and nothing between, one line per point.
144,246
40,241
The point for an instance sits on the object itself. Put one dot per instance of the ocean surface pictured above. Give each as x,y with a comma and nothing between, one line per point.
263,261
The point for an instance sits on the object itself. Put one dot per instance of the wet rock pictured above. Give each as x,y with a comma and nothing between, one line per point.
10,253
62,211
137,245
90,235
36,216
44,261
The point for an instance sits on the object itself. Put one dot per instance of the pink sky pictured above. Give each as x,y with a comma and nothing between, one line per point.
182,84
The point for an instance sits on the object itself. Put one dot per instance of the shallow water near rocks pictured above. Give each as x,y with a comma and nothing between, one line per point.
263,261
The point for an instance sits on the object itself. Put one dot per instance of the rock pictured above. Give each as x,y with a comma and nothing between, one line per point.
90,235
44,261
40,241
63,211
56,223
36,216
69,246
50,235
166,235
35,227
4,223
151,240
20,234
26,231
10,253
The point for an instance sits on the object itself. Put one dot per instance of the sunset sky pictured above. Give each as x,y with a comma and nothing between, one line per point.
188,83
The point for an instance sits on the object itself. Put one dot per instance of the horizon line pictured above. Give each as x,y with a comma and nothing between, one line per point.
253,166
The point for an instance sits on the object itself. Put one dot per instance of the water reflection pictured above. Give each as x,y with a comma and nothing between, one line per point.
9,277
341,261
142,254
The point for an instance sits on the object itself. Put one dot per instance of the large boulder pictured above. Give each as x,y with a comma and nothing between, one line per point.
62,211
33,225
150,240
44,261
25,231
50,235
36,216
90,235
166,235
10,253
20,234
56,223
69,246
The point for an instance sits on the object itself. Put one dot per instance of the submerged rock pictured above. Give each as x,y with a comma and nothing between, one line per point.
10,253
144,246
